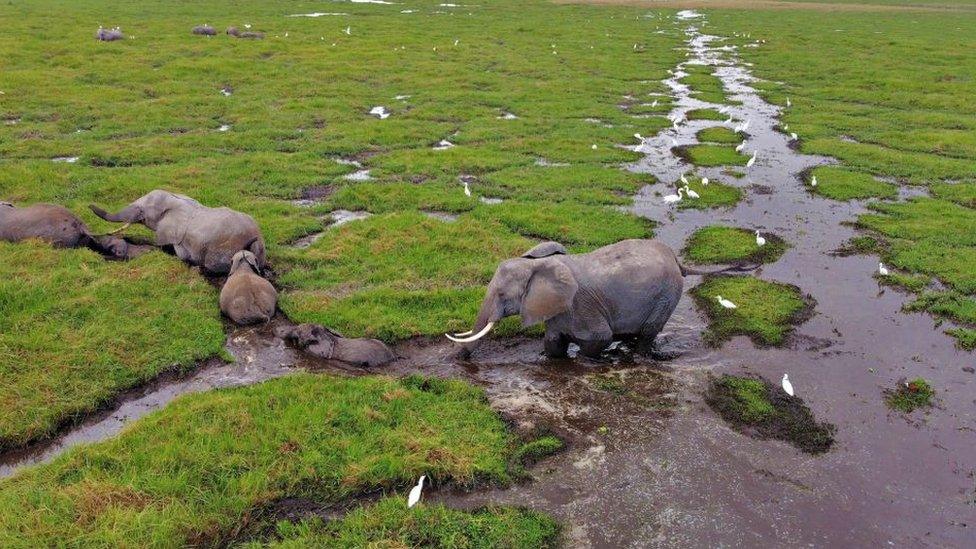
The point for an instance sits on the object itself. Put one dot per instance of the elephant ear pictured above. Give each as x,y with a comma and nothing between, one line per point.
550,292
253,262
545,249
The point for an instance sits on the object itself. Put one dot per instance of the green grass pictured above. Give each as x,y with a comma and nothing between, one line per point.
910,395
713,195
719,134
766,311
390,524
704,84
75,330
842,184
720,244
749,398
705,114
206,465
712,155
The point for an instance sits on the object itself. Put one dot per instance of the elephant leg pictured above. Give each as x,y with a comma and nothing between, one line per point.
655,322
594,341
556,344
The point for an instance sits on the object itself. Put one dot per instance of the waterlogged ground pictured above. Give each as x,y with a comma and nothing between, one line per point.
647,463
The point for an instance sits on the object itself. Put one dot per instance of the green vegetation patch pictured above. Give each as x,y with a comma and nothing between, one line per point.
766,311
756,407
910,395
842,184
76,330
194,472
720,244
713,195
719,134
705,114
390,524
954,306
711,155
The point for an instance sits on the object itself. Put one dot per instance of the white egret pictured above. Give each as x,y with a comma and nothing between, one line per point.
639,137
467,189
456,41
348,31
705,181
414,496
672,198
787,386
788,103
740,146
882,270
793,136
813,182
654,104
752,160
760,241
725,302
593,147
690,193
684,179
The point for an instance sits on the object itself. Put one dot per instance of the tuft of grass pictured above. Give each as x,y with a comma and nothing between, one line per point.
711,155
719,134
720,244
756,407
842,184
75,330
534,450
389,523
912,282
766,311
910,395
713,195
193,472
965,337
951,305
705,114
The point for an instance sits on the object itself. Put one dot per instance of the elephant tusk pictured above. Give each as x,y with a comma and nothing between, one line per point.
463,334
475,337
120,229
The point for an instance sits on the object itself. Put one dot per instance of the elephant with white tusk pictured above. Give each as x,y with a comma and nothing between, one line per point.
59,227
627,289
246,297
199,235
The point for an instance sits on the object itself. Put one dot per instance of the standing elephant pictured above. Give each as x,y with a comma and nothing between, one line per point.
627,289
199,235
57,226
246,297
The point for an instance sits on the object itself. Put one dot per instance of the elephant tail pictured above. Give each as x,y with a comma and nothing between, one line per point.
737,268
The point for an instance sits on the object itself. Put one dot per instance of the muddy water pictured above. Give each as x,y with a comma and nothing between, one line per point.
690,480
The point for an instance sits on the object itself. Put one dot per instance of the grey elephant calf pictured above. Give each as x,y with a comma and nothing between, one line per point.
246,297
627,289
199,235
59,227
325,343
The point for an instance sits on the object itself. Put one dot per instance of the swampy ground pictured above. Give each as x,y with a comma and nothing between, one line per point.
539,103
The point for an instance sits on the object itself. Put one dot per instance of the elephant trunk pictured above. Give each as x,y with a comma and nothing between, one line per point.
487,317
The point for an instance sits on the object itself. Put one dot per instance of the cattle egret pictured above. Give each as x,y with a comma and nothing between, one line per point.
787,386
654,104
740,146
414,496
788,103
456,41
725,302
882,270
793,136
786,127
690,193
813,182
760,241
593,147
684,179
639,137
752,160
705,181
348,30
467,189
672,198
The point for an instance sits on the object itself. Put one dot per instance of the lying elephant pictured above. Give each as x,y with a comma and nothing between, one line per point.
323,342
246,297
199,235
59,227
627,289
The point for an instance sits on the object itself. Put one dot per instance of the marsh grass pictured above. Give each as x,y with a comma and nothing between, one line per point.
842,184
720,244
713,195
766,311
910,395
708,156
719,134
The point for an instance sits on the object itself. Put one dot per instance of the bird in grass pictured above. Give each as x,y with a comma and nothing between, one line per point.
787,386
690,193
639,137
793,136
348,31
684,179
705,181
593,147
760,241
456,41
882,270
752,160
672,198
414,495
654,104
725,302
467,189
740,146
788,103
813,182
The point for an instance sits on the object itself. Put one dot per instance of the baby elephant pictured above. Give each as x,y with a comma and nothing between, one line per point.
246,298
199,235
323,342
56,226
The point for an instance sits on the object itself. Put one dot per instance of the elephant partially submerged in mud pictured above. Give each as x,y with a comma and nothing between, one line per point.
627,289
59,227
199,235
323,342
246,297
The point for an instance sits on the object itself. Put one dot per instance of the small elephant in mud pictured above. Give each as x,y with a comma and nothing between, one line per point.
59,227
199,235
246,297
325,343
627,289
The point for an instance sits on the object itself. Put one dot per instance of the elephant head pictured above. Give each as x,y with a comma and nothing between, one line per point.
147,209
245,259
537,286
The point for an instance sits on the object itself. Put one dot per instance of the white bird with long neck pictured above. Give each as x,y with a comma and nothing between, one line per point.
467,189
690,193
752,160
787,386
684,179
882,270
725,302
760,241
740,146
672,198
704,181
788,102
414,495
813,182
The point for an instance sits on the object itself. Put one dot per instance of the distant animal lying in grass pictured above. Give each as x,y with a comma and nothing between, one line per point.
109,35
204,30
246,297
627,289
325,343
235,32
60,228
199,235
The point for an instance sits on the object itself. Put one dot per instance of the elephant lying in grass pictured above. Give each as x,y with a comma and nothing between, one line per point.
323,342
246,297
627,289
199,235
60,228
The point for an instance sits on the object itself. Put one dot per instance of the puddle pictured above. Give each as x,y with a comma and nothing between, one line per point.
490,200
380,112
65,159
443,144
358,175
341,217
507,116
316,14
223,128
11,121
443,216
